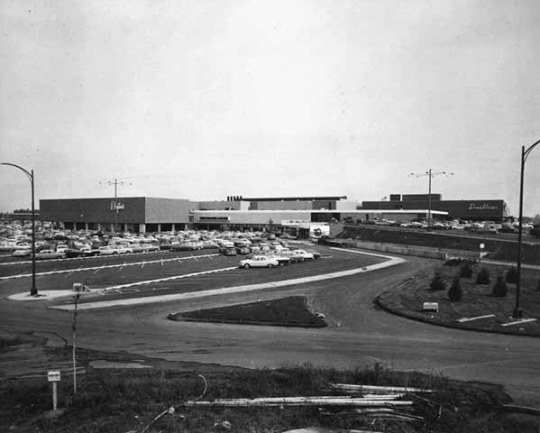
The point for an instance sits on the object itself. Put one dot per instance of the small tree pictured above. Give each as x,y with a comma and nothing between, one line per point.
455,293
437,283
466,271
483,277
511,275
500,289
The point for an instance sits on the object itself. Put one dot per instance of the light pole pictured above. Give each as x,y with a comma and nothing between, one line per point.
517,313
30,175
430,175
116,209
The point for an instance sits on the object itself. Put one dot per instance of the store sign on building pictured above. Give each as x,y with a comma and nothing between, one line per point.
117,206
483,206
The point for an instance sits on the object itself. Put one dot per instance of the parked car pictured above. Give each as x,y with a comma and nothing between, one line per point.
293,258
89,251
304,254
282,260
230,251
186,246
71,253
535,230
50,254
165,245
316,254
122,249
259,262
147,248
210,244
508,228
22,252
243,250
108,251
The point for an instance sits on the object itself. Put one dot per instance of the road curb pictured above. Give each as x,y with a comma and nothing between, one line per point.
379,303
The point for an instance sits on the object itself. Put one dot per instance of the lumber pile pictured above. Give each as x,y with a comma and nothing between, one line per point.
375,402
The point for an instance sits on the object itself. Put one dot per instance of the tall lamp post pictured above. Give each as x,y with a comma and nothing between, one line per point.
30,175
517,313
114,206
430,175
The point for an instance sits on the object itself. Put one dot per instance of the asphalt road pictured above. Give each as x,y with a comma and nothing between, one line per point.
359,334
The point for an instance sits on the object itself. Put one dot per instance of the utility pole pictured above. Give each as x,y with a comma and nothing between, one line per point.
30,175
430,174
116,209
517,313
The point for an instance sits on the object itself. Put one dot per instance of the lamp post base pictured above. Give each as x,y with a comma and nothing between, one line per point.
33,291
517,313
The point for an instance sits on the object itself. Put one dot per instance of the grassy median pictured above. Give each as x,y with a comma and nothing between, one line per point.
478,300
289,311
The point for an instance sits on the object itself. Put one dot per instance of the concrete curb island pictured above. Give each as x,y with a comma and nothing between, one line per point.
431,253
379,303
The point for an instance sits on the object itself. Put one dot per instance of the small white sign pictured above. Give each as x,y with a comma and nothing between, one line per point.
53,376
482,246
430,306
78,287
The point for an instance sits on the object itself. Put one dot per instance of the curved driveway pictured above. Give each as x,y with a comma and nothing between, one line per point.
359,334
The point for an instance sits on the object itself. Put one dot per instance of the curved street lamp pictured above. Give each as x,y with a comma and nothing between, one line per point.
30,175
517,313
431,175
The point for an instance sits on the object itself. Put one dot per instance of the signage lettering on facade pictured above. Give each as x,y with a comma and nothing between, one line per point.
484,206
117,206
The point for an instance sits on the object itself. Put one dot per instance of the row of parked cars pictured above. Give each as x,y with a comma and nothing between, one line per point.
279,258
472,226
64,244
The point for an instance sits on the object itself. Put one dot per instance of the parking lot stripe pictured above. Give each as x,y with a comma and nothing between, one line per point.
222,291
98,268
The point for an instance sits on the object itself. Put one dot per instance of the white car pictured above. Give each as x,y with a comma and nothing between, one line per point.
150,247
259,262
21,252
108,251
50,254
304,254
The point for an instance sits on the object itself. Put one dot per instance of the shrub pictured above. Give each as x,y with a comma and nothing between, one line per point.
437,283
500,289
483,277
466,271
455,293
511,276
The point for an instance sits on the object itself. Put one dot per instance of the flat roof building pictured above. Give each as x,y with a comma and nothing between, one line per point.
152,214
474,210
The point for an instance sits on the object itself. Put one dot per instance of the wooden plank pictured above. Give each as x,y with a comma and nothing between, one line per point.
377,389
470,319
298,401
519,322
521,409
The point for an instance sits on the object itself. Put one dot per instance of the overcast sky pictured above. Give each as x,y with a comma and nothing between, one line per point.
201,99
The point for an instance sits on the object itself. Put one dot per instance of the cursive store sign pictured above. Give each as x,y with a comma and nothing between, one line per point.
483,206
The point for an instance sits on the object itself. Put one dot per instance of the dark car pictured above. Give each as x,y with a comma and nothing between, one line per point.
316,254
71,253
508,228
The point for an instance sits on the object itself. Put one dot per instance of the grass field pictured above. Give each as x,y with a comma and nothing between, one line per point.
290,311
407,298
130,400
498,247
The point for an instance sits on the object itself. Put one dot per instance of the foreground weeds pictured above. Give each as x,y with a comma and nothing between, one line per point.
131,400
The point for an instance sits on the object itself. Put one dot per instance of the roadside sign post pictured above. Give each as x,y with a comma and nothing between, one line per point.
482,246
54,377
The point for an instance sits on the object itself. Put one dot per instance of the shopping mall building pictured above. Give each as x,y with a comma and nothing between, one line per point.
152,214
